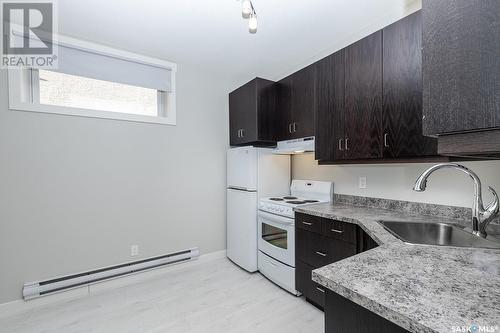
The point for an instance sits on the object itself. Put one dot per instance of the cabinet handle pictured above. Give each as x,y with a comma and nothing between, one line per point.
239,134
294,127
321,254
337,231
346,143
340,144
290,128
242,133
386,145
307,223
321,290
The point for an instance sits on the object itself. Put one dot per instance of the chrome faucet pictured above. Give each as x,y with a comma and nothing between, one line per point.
481,216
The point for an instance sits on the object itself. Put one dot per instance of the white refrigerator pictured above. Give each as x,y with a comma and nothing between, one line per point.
252,173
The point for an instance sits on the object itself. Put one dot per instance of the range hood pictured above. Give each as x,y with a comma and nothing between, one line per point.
296,146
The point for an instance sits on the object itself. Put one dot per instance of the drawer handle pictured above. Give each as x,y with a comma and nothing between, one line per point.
321,254
319,289
307,223
337,231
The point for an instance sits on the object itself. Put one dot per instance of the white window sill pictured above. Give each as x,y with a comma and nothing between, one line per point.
52,109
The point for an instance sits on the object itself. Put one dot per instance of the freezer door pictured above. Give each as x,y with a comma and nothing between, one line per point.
242,168
242,228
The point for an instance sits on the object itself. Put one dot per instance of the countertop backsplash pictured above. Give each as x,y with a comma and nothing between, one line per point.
414,208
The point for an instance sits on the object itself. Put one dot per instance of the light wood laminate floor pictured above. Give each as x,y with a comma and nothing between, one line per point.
215,296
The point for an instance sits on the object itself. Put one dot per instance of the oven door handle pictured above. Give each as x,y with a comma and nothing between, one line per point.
276,218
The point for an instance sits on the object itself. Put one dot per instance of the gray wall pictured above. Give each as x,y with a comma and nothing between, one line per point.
76,192
395,181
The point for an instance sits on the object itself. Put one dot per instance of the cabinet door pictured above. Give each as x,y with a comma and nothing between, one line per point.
266,110
243,114
284,115
345,316
461,67
402,86
303,102
311,248
363,98
329,120
303,282
338,250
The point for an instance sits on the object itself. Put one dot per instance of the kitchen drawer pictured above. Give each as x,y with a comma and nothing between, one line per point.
316,293
310,289
338,250
308,222
339,230
311,248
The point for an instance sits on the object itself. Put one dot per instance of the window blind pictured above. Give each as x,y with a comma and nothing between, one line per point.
92,65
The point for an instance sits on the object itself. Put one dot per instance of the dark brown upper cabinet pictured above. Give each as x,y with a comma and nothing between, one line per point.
363,98
284,119
402,90
369,99
296,105
461,75
349,102
461,53
252,112
330,108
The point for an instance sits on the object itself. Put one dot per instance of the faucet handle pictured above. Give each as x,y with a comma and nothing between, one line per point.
493,207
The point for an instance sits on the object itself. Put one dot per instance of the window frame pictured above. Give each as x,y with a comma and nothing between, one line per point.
23,86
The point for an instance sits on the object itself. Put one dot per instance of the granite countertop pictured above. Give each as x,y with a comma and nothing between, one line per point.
421,288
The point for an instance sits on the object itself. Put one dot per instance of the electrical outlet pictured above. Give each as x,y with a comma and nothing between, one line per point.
134,250
362,182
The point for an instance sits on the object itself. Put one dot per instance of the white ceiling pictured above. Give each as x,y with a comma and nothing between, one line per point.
213,36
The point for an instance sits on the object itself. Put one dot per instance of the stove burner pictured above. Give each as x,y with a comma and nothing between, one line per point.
276,199
296,202
289,198
311,201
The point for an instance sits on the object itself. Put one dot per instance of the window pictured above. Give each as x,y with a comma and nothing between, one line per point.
79,92
102,83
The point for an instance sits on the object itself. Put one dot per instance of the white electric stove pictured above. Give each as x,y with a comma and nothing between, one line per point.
276,229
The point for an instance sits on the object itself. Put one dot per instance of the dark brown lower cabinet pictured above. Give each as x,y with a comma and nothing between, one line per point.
345,316
319,242
313,292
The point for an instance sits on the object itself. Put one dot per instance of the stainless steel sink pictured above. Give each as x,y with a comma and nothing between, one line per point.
436,234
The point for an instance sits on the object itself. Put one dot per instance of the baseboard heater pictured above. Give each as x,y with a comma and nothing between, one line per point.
42,288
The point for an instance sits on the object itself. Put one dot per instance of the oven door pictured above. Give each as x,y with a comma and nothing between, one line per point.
277,237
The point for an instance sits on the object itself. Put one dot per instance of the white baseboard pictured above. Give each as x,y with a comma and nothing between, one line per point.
11,308
20,305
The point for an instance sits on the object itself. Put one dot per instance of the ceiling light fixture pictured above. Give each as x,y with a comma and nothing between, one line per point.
248,12
246,9
252,24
